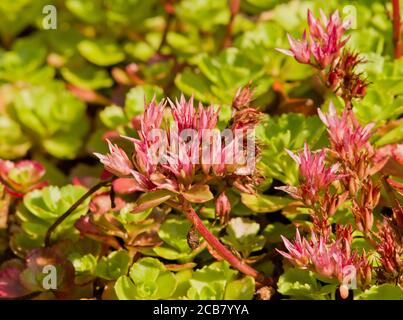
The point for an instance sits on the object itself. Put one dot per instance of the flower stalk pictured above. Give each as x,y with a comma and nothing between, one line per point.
170,10
64,216
397,29
226,254
234,8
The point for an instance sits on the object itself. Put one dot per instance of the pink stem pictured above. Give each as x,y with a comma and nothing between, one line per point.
234,8
222,250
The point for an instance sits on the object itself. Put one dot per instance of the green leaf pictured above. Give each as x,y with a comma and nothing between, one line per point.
243,236
134,104
41,208
182,278
198,194
86,76
126,215
83,263
148,280
18,15
115,265
146,269
297,282
113,117
125,288
378,104
51,202
166,284
25,62
151,200
190,83
264,203
13,143
174,232
139,50
274,231
242,289
288,131
393,136
205,14
102,52
53,116
210,282
88,11
221,76
382,292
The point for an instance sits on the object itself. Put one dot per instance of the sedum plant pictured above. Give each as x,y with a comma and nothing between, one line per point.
350,176
186,172
187,149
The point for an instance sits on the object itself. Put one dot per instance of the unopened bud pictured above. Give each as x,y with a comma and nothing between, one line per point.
242,98
398,216
332,207
361,169
352,186
223,207
343,291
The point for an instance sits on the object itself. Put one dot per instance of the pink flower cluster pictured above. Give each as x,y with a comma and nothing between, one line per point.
324,43
344,79
351,147
330,259
363,205
164,159
390,247
348,139
315,176
323,51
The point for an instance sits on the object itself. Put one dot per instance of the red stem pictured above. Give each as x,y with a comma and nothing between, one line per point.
234,9
169,9
222,250
397,29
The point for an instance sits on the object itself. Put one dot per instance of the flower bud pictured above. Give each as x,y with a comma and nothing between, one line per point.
398,216
242,98
343,291
223,207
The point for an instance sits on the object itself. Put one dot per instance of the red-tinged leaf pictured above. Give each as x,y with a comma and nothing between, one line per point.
38,259
10,285
378,166
87,95
397,153
86,227
398,186
151,200
198,194
125,186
